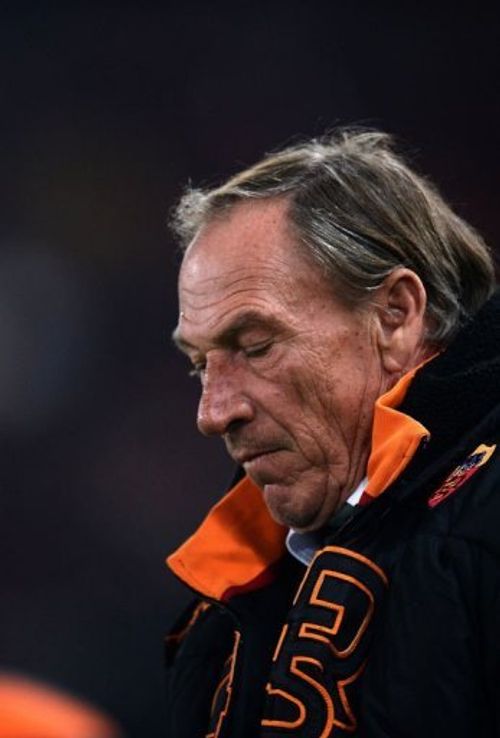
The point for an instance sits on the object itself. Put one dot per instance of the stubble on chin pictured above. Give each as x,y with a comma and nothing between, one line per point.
302,507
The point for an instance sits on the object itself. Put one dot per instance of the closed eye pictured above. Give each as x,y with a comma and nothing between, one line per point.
259,349
251,352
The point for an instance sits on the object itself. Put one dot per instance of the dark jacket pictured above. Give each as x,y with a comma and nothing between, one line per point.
394,629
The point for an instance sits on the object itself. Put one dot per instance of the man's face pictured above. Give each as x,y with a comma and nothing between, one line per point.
289,375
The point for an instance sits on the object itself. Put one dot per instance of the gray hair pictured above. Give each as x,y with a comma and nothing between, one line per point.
361,212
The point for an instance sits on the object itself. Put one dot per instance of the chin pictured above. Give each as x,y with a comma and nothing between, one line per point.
295,509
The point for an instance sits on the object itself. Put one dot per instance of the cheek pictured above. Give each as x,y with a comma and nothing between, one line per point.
314,391
330,400
306,407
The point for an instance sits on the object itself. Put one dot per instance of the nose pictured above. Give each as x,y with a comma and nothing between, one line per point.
223,402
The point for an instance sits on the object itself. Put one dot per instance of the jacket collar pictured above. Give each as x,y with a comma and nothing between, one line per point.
235,547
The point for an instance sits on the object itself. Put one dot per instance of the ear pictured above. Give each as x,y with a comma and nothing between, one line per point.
400,305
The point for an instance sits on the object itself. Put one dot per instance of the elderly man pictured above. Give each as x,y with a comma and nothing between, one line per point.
338,315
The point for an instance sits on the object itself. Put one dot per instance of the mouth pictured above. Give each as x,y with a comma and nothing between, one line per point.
266,467
246,458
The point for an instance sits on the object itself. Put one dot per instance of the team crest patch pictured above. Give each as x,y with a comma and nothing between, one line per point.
461,474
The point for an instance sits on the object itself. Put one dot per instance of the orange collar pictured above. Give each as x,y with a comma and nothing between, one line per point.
238,544
395,437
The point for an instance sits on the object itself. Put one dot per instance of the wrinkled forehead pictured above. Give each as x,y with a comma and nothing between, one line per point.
214,286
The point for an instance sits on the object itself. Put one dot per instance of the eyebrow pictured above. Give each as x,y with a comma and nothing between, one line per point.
226,337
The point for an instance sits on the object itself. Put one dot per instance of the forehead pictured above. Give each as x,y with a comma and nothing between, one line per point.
247,258
252,239
247,234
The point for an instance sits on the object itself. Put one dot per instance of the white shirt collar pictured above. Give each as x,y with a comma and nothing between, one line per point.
303,546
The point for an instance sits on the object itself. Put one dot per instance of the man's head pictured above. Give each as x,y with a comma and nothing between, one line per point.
310,284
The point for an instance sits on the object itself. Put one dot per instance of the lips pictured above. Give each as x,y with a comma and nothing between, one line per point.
246,457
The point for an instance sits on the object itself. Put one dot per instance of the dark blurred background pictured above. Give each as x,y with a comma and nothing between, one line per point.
106,111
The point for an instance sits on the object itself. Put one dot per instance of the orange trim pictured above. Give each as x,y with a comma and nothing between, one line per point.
235,544
395,437
342,684
304,579
229,687
223,683
313,630
277,650
286,723
176,638
330,712
353,555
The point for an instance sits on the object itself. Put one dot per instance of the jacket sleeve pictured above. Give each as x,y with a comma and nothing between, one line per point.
434,667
